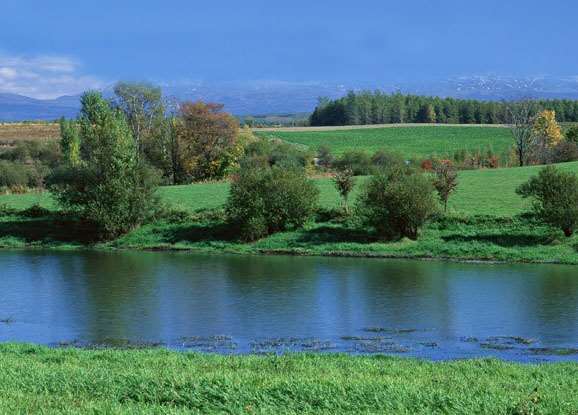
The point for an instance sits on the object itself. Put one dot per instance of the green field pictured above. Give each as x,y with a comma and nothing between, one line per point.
411,141
35,379
480,192
483,224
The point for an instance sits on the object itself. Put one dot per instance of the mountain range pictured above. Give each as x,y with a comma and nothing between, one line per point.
280,97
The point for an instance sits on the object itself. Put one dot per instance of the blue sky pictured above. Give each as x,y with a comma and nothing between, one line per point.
51,48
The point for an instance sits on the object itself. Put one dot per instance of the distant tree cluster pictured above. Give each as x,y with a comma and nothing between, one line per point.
381,108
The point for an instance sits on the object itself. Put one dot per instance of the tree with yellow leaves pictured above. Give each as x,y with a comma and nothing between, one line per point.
546,129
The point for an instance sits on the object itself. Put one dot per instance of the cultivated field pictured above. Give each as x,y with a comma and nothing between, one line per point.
11,132
409,140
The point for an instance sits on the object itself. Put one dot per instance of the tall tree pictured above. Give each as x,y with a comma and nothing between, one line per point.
426,114
70,141
207,140
520,118
445,181
143,107
108,186
546,128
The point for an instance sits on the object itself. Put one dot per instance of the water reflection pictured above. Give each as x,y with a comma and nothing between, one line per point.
96,296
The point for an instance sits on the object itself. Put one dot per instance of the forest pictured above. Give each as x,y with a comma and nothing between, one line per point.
361,108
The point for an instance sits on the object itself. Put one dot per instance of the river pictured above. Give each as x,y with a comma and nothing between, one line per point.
266,304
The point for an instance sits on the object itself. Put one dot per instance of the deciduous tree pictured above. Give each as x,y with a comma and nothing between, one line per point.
446,180
520,117
344,181
70,141
546,129
207,140
143,107
108,186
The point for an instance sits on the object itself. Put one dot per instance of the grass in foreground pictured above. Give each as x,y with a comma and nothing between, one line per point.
36,379
423,141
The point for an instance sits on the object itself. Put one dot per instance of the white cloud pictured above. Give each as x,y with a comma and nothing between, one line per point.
44,77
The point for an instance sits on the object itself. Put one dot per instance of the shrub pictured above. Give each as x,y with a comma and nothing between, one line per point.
572,134
18,189
37,174
344,182
565,151
555,195
325,157
13,174
265,200
397,203
427,165
171,214
35,211
385,159
460,156
5,209
357,161
24,151
268,153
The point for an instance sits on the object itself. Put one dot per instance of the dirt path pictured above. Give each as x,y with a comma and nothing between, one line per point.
359,127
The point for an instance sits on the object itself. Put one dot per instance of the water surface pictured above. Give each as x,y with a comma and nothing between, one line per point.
238,304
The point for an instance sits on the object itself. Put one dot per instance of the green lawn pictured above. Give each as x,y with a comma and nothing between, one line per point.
409,141
480,192
35,379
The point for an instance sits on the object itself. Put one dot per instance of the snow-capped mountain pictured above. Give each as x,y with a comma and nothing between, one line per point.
276,97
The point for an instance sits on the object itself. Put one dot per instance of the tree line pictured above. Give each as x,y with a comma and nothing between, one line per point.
381,108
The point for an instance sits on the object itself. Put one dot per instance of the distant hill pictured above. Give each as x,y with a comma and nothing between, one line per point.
279,97
17,107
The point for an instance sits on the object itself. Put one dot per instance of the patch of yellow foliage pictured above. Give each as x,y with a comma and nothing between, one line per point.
546,128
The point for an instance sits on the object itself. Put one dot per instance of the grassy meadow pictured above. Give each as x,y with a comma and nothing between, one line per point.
410,141
484,223
480,192
35,379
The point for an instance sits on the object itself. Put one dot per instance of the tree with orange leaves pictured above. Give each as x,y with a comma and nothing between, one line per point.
207,139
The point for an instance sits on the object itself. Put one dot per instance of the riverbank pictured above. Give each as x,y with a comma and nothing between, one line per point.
485,222
36,379
479,238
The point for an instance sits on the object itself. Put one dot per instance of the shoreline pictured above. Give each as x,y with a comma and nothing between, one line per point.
281,252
